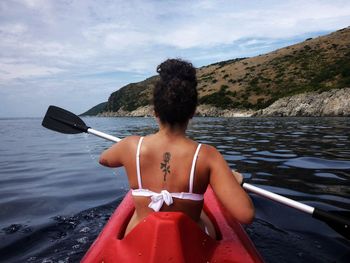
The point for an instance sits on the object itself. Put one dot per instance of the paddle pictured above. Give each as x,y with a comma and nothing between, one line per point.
335,219
60,120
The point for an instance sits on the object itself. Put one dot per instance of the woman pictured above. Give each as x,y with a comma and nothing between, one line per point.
168,171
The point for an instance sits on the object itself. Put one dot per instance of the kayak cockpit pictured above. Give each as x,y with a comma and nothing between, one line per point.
171,236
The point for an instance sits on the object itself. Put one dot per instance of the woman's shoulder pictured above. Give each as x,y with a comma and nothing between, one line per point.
132,139
127,144
208,149
208,153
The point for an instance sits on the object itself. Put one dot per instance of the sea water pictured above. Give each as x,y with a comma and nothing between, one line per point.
55,197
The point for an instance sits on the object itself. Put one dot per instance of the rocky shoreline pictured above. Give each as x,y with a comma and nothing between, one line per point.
335,102
202,111
145,111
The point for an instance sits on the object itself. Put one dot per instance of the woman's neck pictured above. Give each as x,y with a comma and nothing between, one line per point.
172,130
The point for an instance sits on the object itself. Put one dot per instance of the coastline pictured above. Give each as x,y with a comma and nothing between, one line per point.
202,111
332,103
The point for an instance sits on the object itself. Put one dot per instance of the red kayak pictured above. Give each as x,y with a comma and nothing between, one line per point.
172,237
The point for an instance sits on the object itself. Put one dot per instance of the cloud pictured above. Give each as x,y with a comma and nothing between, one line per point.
226,25
15,29
21,71
35,4
117,37
85,47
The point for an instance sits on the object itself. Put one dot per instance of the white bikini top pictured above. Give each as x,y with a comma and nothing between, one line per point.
158,199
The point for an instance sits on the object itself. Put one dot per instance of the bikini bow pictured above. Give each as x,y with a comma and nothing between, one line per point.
159,199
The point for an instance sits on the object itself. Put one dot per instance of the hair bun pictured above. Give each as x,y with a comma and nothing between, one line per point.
175,94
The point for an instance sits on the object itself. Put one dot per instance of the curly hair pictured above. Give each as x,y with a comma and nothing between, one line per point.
175,95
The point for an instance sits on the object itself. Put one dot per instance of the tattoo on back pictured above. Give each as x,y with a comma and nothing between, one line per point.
165,165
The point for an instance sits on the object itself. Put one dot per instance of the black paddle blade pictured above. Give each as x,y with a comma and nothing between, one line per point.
61,120
338,220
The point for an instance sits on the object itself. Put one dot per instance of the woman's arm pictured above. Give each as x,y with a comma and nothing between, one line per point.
116,154
111,157
228,189
238,176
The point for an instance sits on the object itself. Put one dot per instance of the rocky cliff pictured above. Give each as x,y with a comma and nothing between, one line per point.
335,102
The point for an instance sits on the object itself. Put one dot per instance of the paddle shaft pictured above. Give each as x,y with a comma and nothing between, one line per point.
278,198
103,135
251,188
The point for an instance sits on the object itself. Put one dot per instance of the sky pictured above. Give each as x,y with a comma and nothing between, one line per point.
75,53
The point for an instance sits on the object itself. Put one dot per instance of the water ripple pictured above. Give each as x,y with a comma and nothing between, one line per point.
283,155
317,163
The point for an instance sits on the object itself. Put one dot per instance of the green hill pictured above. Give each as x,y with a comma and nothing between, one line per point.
95,110
132,96
317,64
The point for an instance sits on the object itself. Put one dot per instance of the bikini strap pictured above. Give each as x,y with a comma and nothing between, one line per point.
138,173
193,168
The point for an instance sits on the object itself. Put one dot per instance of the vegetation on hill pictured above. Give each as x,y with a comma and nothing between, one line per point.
132,96
316,64
95,110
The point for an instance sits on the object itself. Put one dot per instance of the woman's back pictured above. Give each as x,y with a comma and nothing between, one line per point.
166,163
